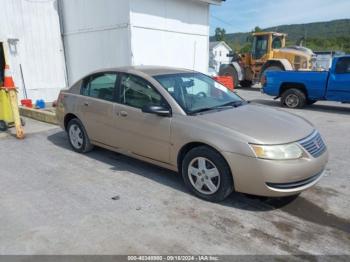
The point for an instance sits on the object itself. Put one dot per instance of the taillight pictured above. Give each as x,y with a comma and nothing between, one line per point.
60,99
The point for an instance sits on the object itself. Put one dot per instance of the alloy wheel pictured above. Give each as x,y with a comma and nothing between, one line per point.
292,101
204,175
76,136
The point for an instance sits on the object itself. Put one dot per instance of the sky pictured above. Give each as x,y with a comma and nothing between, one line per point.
244,15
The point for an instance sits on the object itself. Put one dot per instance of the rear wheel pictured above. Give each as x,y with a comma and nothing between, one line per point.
310,102
206,174
293,98
78,137
230,71
270,68
246,83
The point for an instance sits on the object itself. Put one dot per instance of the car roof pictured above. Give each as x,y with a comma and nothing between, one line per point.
148,70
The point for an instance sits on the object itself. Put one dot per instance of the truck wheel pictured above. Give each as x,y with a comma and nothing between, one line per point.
246,83
23,122
310,102
3,126
293,98
270,68
230,71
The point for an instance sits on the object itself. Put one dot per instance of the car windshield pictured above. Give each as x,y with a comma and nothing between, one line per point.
196,92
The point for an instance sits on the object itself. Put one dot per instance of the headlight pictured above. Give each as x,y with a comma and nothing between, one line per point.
278,152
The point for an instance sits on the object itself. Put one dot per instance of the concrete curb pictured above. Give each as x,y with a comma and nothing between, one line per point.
40,115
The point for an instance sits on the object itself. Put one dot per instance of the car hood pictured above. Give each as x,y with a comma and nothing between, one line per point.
261,124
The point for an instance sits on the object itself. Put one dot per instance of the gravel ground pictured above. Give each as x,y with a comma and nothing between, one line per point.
54,201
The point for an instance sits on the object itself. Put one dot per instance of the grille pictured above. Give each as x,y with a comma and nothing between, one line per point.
292,185
314,144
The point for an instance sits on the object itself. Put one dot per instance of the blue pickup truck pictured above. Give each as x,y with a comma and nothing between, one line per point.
299,88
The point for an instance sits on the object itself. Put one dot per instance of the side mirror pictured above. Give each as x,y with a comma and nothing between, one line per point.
156,110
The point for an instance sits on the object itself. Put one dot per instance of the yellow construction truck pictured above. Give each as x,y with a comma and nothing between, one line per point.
269,52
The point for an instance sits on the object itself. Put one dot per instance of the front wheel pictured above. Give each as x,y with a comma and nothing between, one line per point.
293,98
230,71
206,174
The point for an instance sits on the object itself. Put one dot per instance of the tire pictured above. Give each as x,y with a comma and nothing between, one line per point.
270,68
3,126
78,137
230,71
310,102
293,98
221,182
246,83
23,122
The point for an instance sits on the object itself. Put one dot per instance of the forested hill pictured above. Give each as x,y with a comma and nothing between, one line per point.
320,36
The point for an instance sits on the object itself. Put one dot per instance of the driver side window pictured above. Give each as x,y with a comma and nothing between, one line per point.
259,47
137,92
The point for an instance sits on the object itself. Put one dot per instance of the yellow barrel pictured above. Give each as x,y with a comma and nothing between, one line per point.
5,108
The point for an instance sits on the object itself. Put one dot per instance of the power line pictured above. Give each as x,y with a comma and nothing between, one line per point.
221,20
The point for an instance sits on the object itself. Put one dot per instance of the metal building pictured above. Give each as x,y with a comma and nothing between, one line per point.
56,42
30,33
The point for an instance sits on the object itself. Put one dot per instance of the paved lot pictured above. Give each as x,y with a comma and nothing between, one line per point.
54,201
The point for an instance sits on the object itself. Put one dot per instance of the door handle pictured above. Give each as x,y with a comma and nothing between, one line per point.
86,104
123,114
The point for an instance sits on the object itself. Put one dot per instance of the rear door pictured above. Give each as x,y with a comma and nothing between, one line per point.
97,106
339,81
143,134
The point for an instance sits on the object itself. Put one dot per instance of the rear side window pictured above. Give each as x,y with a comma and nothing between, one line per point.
101,86
343,66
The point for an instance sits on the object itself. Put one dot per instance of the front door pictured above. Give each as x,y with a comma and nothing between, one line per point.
97,107
339,81
143,134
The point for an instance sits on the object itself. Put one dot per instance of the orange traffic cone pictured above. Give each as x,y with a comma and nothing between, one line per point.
8,80
9,86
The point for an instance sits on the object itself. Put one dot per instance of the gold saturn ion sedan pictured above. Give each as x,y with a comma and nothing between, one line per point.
187,122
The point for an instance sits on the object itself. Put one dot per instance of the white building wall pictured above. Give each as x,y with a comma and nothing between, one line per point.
39,48
220,53
109,33
96,35
170,33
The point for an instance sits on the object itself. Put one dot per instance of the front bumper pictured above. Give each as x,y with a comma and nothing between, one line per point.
275,178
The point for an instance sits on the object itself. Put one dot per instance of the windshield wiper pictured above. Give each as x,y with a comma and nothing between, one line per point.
229,104
202,110
233,103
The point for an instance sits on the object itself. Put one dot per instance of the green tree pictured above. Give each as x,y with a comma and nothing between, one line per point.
257,29
220,34
246,48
